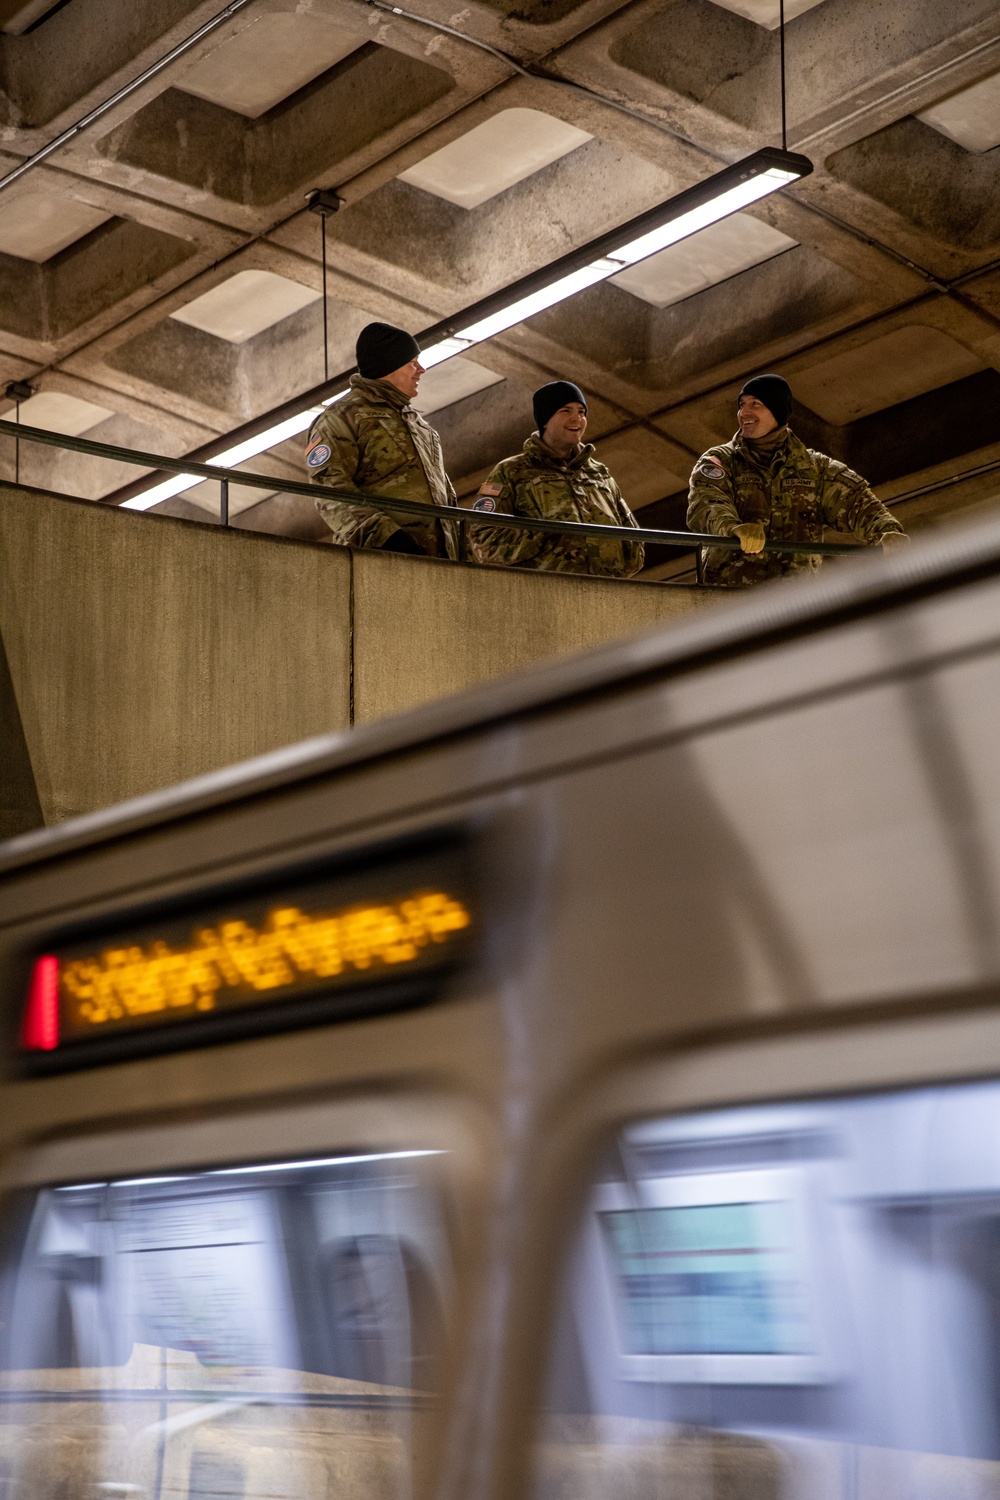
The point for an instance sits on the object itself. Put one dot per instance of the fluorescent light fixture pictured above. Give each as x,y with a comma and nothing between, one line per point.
178,483
275,1166
703,260
690,212
748,181
145,1181
536,302
320,1161
439,352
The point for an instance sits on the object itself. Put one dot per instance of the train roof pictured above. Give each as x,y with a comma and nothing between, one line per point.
768,616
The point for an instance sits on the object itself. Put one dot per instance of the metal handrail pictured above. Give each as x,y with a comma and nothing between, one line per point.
316,491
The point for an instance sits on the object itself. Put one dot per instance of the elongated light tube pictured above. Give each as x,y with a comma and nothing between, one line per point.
766,172
249,448
610,263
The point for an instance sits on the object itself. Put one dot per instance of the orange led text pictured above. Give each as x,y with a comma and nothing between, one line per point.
289,948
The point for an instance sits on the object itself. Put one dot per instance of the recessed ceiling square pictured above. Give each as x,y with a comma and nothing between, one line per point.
246,304
641,464
273,57
37,226
971,117
494,156
704,259
768,12
451,382
57,412
894,368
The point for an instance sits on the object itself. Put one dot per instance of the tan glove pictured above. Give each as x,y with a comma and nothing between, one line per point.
894,541
752,536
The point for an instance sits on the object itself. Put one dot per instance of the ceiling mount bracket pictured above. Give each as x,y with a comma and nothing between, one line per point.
323,201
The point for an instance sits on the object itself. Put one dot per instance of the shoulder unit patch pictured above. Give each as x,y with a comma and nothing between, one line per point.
710,469
318,455
485,502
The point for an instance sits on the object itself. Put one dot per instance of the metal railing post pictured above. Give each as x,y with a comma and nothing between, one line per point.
224,501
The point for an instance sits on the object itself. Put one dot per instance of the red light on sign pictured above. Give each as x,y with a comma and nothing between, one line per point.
40,1027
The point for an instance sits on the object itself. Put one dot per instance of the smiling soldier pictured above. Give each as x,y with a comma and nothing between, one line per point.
766,485
556,477
373,441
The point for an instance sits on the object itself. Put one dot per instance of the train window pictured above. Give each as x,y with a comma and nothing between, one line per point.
269,1331
785,1302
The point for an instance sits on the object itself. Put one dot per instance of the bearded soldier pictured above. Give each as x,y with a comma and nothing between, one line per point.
766,485
556,477
372,441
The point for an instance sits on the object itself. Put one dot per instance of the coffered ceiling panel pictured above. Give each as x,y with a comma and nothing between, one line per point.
768,12
505,149
451,382
883,372
275,56
245,304
971,117
59,412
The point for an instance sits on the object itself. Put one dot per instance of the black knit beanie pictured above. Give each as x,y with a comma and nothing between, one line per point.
775,393
547,401
381,349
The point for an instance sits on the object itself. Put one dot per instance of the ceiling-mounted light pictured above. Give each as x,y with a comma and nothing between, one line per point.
250,448
729,191
734,188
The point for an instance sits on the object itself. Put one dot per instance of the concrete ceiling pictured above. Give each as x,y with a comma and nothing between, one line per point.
160,277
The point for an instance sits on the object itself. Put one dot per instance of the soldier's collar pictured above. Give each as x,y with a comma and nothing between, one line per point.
537,450
380,390
765,447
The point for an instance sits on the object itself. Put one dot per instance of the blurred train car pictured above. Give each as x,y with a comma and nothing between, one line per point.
585,1088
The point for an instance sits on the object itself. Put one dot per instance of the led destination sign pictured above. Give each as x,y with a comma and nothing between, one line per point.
249,954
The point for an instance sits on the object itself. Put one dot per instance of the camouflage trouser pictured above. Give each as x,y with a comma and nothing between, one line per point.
357,526
726,568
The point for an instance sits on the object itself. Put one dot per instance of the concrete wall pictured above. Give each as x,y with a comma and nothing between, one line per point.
423,629
143,650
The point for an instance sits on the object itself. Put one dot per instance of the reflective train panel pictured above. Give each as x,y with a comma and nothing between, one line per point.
585,1088
789,1300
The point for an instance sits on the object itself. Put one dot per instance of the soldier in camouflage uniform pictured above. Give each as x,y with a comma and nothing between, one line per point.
767,485
556,477
373,441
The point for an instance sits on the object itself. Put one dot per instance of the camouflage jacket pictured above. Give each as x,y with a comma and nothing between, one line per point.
536,483
373,441
794,492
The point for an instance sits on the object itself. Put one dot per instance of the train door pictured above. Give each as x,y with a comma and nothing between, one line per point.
259,1328
795,1298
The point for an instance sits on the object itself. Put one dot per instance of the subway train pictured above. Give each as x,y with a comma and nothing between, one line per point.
585,1087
